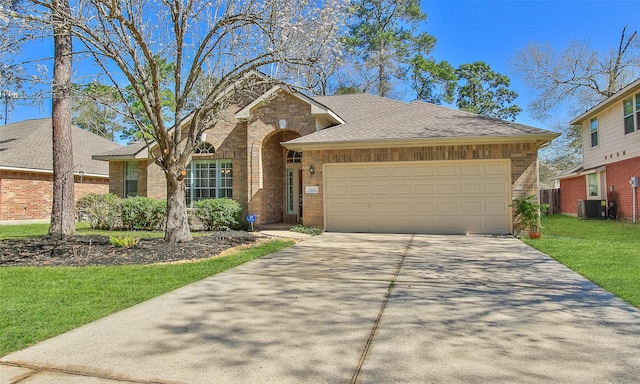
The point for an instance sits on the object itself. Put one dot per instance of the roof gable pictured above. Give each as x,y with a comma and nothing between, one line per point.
316,107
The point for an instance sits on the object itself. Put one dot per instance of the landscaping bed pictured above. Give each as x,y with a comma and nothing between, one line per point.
95,250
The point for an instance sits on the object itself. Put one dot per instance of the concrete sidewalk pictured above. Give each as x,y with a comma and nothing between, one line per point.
461,309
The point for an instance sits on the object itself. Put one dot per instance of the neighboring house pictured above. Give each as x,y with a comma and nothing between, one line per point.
354,163
26,168
611,154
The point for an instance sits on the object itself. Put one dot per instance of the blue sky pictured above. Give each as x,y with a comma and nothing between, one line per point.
492,31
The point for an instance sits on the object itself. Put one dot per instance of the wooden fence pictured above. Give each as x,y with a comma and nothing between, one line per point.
551,197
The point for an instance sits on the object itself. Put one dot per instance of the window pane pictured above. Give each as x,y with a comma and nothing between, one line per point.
628,124
592,180
594,131
627,106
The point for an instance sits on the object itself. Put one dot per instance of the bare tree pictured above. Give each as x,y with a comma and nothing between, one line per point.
580,74
223,42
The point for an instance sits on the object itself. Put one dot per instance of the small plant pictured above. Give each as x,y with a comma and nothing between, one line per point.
527,213
124,242
313,231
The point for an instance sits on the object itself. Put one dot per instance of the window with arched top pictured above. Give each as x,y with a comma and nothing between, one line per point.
204,148
294,157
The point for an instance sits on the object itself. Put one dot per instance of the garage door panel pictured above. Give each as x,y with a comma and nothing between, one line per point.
447,188
423,170
471,188
424,188
402,189
471,170
424,197
501,188
447,170
496,169
380,189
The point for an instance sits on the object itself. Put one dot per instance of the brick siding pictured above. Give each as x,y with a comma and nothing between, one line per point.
618,176
572,190
28,195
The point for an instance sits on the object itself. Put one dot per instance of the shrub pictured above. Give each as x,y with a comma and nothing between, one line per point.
143,213
123,242
218,214
101,211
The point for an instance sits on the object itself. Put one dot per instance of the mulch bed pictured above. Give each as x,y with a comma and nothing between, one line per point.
88,250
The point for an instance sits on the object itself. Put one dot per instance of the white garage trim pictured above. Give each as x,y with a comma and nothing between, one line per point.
445,197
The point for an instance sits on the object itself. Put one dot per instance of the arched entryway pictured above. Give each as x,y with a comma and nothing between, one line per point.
281,194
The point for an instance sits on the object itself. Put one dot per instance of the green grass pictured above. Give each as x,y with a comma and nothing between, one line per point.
23,231
37,303
605,252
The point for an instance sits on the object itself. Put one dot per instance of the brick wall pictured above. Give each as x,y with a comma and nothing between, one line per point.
618,175
28,195
572,190
522,155
266,156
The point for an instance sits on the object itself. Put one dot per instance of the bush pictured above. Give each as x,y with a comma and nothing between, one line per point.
143,213
101,211
218,214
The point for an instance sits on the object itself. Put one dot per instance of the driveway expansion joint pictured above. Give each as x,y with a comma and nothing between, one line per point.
376,322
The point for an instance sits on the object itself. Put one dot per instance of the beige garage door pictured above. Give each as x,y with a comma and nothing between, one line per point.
448,197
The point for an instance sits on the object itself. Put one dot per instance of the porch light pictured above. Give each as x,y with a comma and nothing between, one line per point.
311,170
282,123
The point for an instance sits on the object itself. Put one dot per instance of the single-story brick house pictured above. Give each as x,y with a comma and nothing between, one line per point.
26,169
354,162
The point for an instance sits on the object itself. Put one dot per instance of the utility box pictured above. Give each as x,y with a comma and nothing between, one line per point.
592,209
635,182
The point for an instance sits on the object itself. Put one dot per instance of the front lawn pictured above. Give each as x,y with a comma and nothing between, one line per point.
37,303
605,252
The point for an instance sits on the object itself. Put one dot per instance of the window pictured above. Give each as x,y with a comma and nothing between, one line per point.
593,185
204,148
209,179
130,179
594,131
627,106
294,157
290,191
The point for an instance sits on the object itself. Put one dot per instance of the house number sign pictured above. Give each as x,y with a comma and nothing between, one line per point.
312,189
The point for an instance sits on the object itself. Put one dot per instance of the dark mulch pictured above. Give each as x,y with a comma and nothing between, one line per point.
87,250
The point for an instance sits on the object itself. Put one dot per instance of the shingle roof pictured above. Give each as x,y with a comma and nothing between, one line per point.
416,120
354,107
127,151
28,145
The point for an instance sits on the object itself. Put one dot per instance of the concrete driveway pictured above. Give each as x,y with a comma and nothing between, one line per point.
341,308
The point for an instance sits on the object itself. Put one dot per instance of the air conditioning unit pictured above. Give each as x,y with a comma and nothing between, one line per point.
592,209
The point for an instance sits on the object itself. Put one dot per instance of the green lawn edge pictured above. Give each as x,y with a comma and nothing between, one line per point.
37,303
604,251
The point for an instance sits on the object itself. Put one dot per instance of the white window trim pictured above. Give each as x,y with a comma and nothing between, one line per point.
218,184
134,166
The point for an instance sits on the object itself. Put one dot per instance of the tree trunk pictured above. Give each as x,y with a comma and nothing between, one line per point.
63,209
177,229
